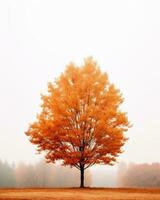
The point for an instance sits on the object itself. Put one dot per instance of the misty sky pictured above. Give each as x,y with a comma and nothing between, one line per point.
39,37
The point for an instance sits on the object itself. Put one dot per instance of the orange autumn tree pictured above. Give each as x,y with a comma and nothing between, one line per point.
80,122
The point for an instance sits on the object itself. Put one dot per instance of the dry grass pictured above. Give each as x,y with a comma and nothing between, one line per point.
80,194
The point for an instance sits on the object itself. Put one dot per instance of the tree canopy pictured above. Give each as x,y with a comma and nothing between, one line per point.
81,122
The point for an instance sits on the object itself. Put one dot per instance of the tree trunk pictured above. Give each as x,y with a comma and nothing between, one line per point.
82,177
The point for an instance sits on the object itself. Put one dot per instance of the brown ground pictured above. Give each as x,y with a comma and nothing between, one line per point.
80,194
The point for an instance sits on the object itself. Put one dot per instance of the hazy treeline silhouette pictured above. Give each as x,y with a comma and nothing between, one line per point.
46,175
7,175
139,175
40,174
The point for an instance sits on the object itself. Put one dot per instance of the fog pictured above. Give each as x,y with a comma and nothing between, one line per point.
44,175
139,175
41,174
39,38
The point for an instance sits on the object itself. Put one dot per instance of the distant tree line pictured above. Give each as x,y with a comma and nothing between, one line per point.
40,174
139,175
43,175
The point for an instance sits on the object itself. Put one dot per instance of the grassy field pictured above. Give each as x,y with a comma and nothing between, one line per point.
80,194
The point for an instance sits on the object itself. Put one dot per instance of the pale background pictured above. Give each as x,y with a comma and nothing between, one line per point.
38,38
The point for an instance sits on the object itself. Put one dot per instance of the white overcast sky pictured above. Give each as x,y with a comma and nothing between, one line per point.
39,37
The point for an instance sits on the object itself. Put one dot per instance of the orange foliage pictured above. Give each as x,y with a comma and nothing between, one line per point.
81,123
